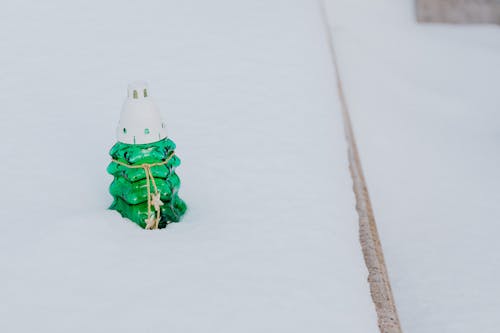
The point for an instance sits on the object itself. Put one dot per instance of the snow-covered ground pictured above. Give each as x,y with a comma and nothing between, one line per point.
424,101
270,241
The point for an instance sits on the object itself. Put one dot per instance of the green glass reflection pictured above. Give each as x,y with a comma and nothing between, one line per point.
129,188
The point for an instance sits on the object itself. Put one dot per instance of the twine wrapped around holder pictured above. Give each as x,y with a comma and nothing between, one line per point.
154,199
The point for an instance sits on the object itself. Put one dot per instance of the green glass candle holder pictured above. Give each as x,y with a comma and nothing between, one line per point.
145,185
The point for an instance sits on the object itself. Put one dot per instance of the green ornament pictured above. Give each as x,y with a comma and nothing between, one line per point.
145,186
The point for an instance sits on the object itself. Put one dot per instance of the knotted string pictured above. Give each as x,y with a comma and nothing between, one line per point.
154,200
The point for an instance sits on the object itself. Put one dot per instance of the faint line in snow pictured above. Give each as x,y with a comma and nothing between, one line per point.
378,278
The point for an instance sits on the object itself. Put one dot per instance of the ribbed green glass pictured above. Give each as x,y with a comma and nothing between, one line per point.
129,188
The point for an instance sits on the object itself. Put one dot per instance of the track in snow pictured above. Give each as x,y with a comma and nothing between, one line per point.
378,278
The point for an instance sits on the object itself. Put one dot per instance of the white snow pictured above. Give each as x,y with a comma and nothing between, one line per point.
424,102
270,240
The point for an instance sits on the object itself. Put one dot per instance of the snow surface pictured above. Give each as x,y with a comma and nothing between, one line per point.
270,241
424,101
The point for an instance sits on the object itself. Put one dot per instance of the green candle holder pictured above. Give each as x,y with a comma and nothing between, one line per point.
145,185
